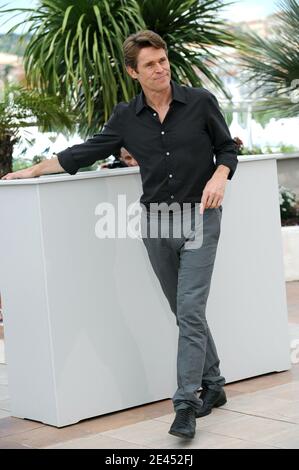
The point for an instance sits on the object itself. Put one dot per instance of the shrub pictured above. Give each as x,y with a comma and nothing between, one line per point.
287,201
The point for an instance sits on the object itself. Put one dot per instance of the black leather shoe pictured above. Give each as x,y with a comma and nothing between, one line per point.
211,399
184,424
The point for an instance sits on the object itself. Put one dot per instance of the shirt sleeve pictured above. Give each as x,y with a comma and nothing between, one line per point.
224,146
99,147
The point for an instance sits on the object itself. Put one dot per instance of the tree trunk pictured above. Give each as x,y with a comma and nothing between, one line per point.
6,149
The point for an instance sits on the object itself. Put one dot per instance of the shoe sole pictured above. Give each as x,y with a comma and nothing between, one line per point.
216,405
180,434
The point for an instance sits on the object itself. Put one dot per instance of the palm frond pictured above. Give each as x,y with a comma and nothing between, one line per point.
21,107
273,64
75,50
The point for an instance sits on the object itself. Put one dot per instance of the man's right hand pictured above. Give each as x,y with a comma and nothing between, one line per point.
25,173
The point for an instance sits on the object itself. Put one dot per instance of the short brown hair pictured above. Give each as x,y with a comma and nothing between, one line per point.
137,41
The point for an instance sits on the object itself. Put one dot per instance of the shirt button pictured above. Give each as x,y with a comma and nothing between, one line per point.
172,196
167,153
162,132
170,176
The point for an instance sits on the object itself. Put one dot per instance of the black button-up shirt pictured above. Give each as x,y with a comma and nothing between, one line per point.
176,157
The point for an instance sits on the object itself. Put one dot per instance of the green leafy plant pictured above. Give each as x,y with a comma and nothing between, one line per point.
256,150
272,64
24,108
75,48
287,201
20,163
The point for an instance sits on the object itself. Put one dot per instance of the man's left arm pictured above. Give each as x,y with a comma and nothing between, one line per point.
225,152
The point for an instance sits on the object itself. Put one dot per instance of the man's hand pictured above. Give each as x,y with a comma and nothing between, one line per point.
46,167
25,173
213,192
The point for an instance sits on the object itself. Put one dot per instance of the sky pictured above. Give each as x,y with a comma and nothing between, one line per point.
241,10
14,4
250,9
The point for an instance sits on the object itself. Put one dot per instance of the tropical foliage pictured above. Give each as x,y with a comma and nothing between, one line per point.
272,64
23,108
75,50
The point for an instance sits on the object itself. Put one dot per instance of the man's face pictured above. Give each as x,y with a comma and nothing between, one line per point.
127,158
153,69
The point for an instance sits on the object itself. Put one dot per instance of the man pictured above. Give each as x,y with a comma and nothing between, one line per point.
127,158
174,132
123,160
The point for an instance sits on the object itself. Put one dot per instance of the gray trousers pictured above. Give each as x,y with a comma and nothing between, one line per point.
183,261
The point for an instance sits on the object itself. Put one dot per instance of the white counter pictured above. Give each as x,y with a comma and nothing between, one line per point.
87,328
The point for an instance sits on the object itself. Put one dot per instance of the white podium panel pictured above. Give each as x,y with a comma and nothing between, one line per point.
87,328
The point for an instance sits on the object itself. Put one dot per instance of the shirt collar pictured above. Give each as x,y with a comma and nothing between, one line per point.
178,94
